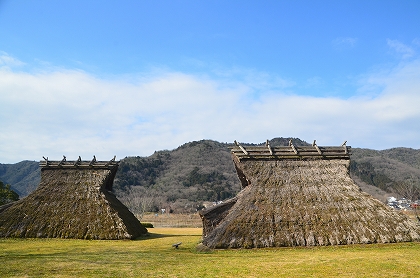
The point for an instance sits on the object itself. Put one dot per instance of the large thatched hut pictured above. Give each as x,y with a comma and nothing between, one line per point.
73,200
300,196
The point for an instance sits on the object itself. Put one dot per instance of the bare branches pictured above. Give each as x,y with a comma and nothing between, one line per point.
409,189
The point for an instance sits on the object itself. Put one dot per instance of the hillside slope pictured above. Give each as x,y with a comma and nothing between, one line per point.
388,172
23,177
181,179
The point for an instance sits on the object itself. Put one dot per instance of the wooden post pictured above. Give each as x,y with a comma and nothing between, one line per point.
345,147
79,160
316,147
62,161
242,148
293,147
111,161
93,161
267,143
46,161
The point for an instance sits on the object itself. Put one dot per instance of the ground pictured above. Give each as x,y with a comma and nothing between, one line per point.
154,256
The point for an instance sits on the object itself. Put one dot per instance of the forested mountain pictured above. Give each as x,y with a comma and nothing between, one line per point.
183,178
383,173
23,177
180,179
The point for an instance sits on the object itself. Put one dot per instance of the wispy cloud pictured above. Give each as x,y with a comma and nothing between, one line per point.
344,42
71,112
401,49
8,61
314,81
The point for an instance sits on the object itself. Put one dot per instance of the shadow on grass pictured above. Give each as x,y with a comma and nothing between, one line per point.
156,235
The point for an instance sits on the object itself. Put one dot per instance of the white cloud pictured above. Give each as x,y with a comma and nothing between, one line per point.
72,113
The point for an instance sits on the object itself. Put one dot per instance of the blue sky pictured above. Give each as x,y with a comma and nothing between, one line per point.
127,78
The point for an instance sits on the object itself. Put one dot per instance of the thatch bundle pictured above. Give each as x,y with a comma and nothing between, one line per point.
302,202
71,202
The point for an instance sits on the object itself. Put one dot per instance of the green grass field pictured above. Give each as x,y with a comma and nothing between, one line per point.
154,256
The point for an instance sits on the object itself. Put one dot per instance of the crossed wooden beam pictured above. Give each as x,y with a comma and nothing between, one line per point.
290,151
78,163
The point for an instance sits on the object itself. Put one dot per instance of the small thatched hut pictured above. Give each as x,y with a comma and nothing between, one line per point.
300,196
73,200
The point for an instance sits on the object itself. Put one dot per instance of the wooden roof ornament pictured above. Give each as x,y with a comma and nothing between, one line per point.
73,200
290,152
78,164
300,196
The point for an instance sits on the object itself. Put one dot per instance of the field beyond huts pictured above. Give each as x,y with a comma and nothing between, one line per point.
154,256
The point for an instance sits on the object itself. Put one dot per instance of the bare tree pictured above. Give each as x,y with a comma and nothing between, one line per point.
138,200
409,189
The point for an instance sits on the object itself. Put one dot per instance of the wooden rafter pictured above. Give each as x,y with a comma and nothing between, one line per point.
242,148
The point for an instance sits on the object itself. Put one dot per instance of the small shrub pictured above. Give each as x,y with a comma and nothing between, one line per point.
147,225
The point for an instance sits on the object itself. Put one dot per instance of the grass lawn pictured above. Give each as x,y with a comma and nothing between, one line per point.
154,256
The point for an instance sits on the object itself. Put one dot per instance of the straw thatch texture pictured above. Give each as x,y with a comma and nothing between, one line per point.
214,215
71,203
304,203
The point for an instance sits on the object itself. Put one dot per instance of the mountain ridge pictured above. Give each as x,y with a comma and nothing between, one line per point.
202,171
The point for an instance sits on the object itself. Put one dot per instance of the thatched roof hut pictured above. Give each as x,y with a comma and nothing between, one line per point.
73,200
300,196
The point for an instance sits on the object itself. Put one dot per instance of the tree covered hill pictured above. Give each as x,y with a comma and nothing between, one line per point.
181,179
23,177
196,172
383,173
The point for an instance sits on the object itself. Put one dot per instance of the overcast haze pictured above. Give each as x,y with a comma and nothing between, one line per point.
127,78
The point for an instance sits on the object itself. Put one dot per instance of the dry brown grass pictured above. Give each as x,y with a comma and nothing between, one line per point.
173,220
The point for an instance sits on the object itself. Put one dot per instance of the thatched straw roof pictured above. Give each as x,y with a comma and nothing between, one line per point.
303,200
73,200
